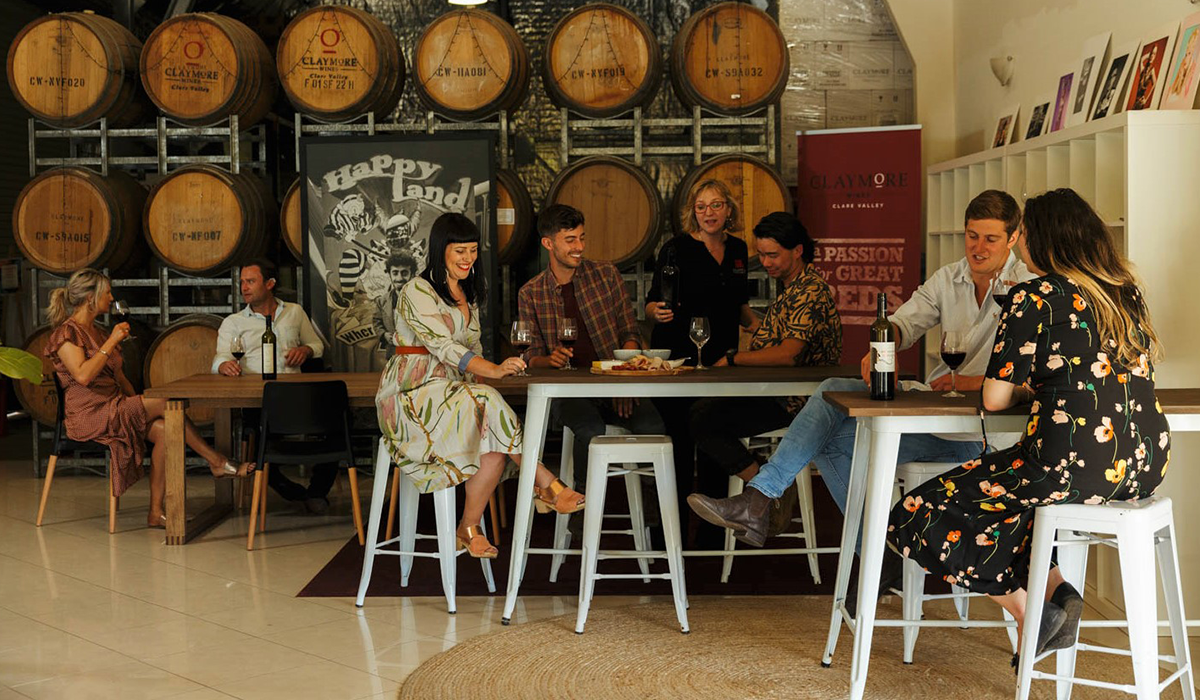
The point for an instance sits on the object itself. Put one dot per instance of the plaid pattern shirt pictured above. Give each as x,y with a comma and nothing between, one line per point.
603,303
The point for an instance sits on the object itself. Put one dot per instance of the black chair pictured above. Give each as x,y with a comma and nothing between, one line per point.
302,423
62,445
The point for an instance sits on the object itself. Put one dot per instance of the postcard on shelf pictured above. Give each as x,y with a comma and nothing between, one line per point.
1180,92
1087,76
1006,127
1039,117
1116,78
1062,100
1149,74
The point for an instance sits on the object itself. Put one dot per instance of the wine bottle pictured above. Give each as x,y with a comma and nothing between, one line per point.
669,284
268,352
883,355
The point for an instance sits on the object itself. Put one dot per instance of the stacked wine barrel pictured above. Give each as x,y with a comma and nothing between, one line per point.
514,217
470,65
337,62
755,186
74,68
289,221
183,349
201,220
619,203
200,68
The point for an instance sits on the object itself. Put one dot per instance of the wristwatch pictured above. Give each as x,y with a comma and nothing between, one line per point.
729,355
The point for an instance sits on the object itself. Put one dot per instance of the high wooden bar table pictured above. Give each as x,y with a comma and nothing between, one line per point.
873,472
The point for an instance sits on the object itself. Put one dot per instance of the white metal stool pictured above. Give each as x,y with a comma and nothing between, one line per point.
446,554
908,476
808,521
609,456
1140,531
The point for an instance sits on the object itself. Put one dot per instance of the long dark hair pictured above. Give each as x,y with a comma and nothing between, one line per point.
1066,236
451,229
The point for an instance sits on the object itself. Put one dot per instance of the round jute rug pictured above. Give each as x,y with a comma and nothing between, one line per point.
739,648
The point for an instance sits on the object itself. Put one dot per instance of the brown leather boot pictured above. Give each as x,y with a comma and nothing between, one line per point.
747,514
782,511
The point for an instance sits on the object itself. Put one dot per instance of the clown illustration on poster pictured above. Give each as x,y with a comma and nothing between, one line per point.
368,207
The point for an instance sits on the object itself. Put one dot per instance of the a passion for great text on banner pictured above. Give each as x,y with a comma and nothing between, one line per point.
859,194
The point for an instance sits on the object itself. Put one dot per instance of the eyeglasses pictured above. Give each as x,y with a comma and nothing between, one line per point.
715,206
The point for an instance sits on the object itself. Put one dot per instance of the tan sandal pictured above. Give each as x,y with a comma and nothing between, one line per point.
476,543
231,469
557,497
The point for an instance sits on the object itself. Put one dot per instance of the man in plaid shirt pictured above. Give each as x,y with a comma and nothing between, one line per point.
593,294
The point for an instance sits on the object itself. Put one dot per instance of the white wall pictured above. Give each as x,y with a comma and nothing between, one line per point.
1045,38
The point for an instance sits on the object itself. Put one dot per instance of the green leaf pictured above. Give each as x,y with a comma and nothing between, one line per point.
18,364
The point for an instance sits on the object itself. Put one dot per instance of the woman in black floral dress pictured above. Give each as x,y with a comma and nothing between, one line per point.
1077,342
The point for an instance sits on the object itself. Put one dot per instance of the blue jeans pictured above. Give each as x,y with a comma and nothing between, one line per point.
825,436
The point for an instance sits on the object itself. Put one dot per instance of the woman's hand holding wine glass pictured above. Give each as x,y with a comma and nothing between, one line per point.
521,337
120,314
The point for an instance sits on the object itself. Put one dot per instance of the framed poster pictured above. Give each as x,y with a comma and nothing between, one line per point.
1095,50
1039,117
1062,101
368,205
1181,80
1109,98
1149,73
1006,127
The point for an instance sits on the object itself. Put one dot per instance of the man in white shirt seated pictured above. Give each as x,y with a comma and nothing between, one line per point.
956,297
296,342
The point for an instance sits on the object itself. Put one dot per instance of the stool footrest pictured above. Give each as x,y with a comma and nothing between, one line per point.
630,576
630,554
758,552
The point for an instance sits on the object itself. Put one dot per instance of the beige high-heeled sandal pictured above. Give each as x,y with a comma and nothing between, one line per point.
476,543
557,497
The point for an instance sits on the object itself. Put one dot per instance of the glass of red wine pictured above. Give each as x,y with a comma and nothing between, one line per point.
521,338
568,333
1000,288
954,352
237,348
120,314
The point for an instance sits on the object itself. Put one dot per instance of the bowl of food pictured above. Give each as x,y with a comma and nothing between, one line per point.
628,354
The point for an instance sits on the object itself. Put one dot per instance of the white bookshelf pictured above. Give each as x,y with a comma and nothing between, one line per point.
1141,172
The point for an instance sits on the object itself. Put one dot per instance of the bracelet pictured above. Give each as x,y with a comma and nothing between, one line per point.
103,352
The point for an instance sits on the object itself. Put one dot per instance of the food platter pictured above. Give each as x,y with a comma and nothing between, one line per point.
642,372
640,366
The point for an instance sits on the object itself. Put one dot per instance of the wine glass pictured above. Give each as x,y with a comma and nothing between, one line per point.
521,338
568,333
237,348
120,314
699,332
999,288
954,351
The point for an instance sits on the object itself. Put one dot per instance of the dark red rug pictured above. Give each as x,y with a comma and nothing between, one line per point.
757,575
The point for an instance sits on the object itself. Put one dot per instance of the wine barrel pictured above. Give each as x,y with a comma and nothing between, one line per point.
620,205
514,217
289,221
730,58
70,217
200,68
602,60
41,402
471,64
337,62
73,68
201,220
184,348
756,187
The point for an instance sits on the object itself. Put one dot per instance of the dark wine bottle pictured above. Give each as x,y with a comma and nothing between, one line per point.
669,284
268,352
883,355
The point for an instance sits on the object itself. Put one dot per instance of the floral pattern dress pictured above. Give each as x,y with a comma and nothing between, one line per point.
435,420
1095,433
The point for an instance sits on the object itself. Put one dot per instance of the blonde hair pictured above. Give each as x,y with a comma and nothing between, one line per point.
687,212
84,287
1066,236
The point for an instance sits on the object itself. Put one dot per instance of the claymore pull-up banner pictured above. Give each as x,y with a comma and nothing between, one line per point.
859,195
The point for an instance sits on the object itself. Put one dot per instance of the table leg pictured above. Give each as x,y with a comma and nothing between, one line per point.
537,413
223,442
850,526
885,447
176,479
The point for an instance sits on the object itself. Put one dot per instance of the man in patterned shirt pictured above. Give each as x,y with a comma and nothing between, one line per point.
801,327
593,294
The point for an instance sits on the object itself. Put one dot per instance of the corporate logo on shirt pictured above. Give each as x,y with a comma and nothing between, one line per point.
411,179
739,267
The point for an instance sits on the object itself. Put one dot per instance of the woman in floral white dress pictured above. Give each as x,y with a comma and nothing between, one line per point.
442,428
1078,344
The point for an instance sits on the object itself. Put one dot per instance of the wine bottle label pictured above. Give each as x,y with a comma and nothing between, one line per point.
268,358
883,357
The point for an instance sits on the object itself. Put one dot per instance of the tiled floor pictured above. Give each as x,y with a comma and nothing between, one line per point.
87,615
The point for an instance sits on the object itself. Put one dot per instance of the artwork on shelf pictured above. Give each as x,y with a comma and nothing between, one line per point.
1039,117
369,203
1062,100
1006,127
1087,77
1180,91
1116,78
1148,77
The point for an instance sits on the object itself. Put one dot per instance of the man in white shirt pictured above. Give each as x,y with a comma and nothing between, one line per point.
957,297
296,341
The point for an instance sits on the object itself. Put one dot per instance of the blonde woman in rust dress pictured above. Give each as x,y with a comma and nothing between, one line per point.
99,402
442,428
